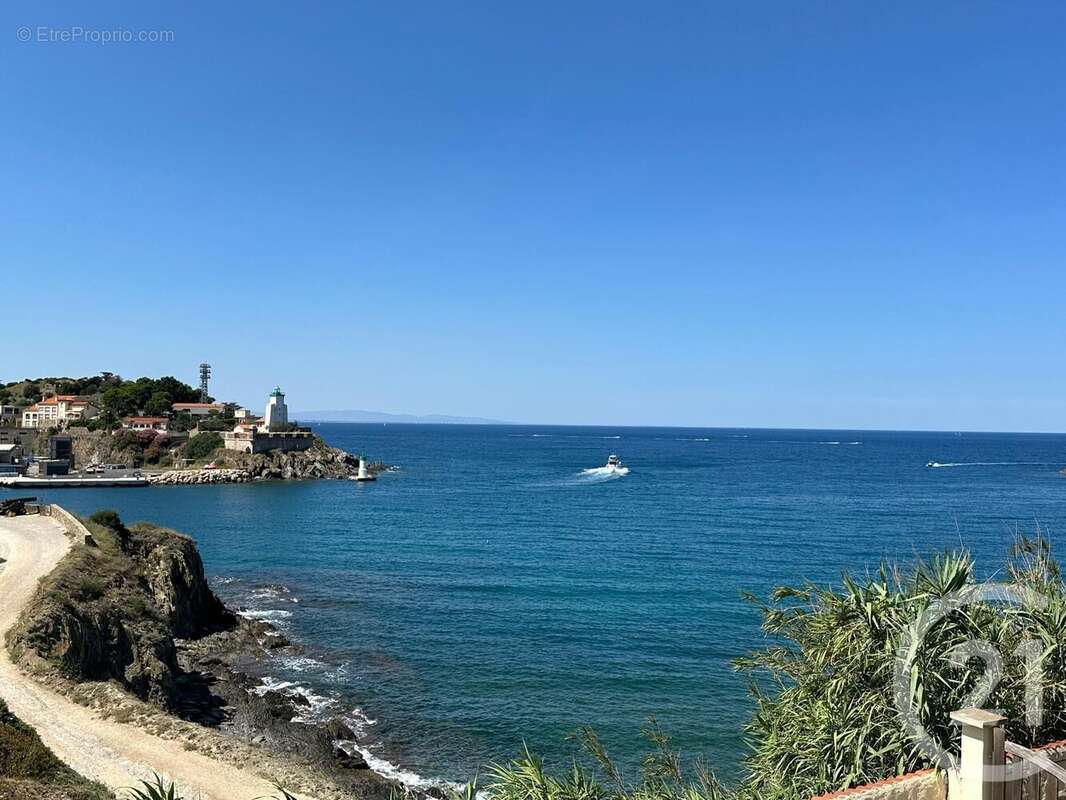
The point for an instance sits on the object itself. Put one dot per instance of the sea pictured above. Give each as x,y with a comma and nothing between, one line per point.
498,591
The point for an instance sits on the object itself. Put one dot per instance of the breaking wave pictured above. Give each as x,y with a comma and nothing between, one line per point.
318,708
272,614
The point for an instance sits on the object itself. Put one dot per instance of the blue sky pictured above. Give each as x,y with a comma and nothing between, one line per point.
765,214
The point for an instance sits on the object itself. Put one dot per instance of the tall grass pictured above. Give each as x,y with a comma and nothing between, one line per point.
661,777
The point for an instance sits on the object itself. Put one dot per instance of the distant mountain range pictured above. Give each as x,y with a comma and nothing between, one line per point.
358,415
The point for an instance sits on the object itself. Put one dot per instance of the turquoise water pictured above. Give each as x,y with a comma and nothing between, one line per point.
490,593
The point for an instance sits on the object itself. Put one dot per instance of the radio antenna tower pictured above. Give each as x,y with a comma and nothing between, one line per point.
205,376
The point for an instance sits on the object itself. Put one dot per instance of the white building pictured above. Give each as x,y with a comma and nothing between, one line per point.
145,423
252,435
277,413
55,411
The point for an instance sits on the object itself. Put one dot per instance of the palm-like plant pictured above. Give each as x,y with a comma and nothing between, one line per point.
661,776
826,715
157,789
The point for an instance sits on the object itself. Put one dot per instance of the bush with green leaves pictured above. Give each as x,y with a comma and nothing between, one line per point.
662,776
109,518
826,715
202,445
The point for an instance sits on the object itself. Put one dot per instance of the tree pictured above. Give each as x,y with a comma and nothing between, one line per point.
202,445
118,402
158,404
179,392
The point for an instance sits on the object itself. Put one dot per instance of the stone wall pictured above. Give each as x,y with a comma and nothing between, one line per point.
924,785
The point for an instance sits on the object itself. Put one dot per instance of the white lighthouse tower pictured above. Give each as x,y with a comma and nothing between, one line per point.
277,413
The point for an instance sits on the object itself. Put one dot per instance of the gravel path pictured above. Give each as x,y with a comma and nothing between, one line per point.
114,754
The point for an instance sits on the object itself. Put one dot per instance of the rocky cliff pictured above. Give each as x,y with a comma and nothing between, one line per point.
135,608
111,611
320,461
317,462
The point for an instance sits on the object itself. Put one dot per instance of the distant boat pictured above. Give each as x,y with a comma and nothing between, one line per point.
612,469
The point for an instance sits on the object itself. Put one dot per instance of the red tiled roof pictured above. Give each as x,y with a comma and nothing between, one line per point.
144,419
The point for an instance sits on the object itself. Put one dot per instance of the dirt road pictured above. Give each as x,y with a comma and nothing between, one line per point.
114,754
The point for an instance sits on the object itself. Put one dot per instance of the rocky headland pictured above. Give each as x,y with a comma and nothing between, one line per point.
127,625
318,462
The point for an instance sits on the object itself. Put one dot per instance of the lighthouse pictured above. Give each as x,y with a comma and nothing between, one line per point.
363,474
276,417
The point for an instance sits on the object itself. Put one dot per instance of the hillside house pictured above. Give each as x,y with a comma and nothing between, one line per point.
198,409
159,424
58,410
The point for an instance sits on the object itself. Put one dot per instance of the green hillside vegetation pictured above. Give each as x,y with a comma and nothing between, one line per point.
29,769
201,446
115,396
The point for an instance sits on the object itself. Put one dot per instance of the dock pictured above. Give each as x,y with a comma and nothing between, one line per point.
71,482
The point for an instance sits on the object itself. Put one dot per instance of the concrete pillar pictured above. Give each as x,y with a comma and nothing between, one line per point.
977,778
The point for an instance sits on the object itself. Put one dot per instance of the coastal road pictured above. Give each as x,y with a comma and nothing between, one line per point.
116,755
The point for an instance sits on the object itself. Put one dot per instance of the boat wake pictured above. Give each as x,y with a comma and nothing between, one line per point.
603,473
939,465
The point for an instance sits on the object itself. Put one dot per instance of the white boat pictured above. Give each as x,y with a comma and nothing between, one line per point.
612,469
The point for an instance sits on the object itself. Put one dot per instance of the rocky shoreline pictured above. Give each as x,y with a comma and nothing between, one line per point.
274,718
128,624
185,477
319,462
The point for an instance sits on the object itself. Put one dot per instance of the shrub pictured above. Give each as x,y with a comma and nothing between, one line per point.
35,770
22,755
90,588
826,718
155,790
661,777
202,445
215,423
109,518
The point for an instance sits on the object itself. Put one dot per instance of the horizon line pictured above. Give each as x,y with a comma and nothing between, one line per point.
950,431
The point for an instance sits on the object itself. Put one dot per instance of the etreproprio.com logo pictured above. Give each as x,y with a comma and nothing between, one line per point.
77,34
